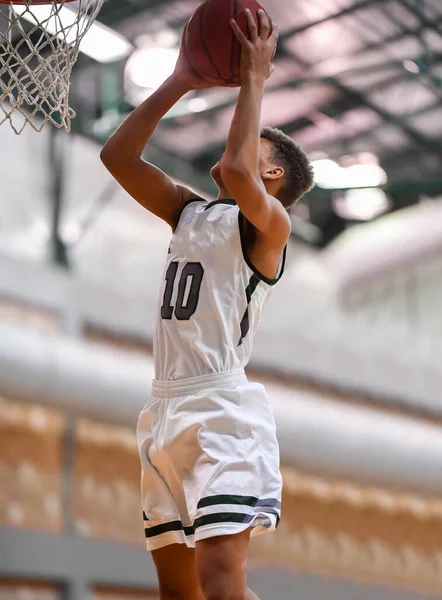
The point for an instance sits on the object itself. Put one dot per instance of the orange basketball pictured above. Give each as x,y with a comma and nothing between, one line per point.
209,42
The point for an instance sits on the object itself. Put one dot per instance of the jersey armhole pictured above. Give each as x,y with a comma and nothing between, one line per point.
185,205
258,274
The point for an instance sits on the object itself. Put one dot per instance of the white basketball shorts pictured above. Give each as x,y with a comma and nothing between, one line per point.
209,459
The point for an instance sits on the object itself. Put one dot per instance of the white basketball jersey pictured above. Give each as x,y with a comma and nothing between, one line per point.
212,297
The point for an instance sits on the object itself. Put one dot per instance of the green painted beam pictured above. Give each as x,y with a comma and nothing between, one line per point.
115,11
414,135
334,108
416,10
372,131
405,32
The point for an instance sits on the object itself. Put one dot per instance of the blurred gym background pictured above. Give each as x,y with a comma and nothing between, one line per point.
350,347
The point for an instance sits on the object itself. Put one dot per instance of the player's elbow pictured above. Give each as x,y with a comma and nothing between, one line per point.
108,157
115,163
115,154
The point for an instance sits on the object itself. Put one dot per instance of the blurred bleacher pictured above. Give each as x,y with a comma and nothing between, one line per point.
362,514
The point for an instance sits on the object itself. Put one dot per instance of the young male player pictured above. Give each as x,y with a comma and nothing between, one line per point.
208,448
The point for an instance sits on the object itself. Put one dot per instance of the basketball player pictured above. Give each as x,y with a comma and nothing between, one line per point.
209,453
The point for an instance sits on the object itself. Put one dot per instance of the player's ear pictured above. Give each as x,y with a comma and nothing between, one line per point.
273,173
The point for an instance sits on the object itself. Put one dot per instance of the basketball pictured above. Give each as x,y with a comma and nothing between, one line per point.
209,42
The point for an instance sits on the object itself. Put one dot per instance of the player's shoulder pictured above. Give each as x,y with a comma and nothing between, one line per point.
280,225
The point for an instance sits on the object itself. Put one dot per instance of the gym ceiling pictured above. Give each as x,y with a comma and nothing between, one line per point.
351,77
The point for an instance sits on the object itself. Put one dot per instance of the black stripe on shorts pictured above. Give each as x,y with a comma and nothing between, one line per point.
233,499
204,520
221,517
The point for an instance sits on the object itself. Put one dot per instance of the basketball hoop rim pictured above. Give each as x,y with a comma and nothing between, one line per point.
33,2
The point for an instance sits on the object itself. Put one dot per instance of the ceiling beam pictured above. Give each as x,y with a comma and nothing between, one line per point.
428,58
342,104
300,81
351,99
333,109
406,31
412,31
414,9
373,130
413,134
357,98
333,17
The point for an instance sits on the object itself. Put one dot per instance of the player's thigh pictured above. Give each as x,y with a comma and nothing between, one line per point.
221,564
177,575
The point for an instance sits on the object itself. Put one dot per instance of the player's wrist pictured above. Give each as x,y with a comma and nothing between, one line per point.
182,81
253,78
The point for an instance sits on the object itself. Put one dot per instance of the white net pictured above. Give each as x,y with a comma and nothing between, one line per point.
39,45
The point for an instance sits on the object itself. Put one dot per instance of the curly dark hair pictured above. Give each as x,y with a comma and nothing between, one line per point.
298,170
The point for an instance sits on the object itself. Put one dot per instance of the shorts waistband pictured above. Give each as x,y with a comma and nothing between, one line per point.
183,387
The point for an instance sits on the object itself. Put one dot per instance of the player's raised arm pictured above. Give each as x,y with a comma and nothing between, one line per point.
122,153
240,165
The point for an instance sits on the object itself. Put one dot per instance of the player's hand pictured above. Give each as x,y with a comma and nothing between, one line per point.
257,51
184,71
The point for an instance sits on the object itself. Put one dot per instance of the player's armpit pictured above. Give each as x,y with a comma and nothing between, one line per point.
151,188
263,211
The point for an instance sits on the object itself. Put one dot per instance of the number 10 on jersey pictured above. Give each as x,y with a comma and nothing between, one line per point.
191,278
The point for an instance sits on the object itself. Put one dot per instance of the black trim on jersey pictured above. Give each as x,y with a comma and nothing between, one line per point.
224,201
260,276
196,199
245,322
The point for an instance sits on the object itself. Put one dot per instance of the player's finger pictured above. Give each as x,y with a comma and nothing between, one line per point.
238,32
265,24
251,24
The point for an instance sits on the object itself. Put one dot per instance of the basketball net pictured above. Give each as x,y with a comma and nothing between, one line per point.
39,45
